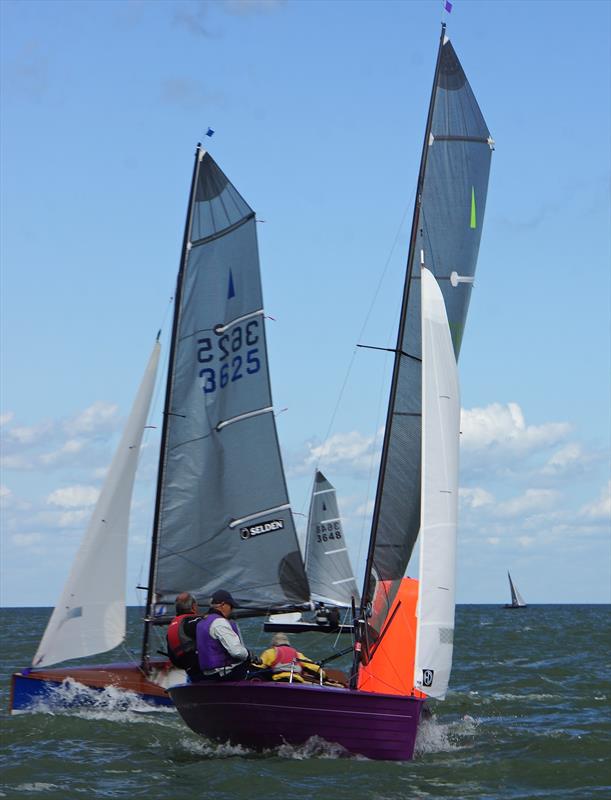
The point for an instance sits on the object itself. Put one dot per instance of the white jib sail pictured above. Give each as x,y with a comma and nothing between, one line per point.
439,506
89,617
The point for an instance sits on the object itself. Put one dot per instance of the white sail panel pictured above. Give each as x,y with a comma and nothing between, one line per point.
89,617
439,501
327,562
516,598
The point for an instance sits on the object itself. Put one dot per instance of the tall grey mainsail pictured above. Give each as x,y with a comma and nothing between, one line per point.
327,561
446,232
223,516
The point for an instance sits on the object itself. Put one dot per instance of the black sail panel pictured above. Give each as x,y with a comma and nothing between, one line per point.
448,222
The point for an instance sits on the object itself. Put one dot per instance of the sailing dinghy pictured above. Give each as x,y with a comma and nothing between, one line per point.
89,617
403,636
517,601
222,515
327,563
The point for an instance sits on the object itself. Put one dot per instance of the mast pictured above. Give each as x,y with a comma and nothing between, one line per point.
398,352
166,410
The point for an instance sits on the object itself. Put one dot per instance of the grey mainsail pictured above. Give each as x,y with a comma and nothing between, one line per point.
446,232
223,517
327,561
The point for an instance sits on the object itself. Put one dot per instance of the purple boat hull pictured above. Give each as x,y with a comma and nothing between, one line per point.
262,715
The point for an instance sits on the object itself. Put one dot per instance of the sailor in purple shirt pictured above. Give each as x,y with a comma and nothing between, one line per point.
221,651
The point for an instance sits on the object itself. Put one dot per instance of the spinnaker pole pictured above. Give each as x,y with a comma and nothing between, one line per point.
150,597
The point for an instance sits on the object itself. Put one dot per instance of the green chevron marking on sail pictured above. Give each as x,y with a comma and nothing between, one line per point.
473,218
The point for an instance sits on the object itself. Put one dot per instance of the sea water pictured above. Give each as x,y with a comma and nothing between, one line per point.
526,716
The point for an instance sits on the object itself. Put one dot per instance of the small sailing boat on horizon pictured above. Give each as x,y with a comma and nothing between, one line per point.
517,601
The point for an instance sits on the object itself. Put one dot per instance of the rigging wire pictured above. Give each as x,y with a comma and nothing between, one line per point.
348,372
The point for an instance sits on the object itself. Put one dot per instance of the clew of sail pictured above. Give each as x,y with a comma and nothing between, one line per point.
446,227
223,515
89,617
327,561
439,504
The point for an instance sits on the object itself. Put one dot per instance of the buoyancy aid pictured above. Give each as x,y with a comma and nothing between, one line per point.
181,648
212,654
286,660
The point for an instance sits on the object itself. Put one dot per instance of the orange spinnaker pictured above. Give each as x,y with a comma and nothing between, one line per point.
390,669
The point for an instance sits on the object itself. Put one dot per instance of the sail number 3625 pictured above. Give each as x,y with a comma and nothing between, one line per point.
231,357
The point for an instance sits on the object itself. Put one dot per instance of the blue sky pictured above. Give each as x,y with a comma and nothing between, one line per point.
319,111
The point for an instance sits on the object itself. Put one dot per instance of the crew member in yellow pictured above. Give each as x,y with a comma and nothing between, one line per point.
283,660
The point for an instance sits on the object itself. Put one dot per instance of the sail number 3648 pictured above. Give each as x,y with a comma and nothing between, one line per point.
329,530
237,356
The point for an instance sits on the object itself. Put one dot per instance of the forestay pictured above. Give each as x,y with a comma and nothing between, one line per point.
89,617
446,228
224,518
439,507
327,560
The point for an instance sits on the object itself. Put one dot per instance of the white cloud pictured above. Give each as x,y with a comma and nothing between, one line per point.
71,519
64,453
27,539
350,452
500,426
531,502
98,417
476,497
31,435
494,540
599,509
526,541
569,457
74,497
6,418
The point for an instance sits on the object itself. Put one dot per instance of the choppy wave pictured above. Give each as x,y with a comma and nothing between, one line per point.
72,697
435,736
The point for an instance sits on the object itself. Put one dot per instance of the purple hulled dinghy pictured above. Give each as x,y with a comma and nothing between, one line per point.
263,715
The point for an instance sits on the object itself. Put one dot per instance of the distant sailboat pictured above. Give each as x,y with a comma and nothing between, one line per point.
328,567
89,617
517,601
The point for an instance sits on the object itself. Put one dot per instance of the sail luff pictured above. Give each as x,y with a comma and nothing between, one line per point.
199,153
365,596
